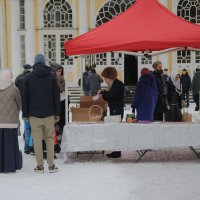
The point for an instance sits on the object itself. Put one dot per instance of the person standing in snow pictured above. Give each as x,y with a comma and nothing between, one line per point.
186,83
86,86
94,81
195,88
160,106
41,106
10,106
173,98
19,82
114,95
145,98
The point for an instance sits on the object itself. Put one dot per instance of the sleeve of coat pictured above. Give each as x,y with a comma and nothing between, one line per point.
112,94
136,98
56,98
25,99
18,99
192,85
189,82
155,89
101,80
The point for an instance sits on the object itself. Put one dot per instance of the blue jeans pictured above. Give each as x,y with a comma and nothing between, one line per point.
27,137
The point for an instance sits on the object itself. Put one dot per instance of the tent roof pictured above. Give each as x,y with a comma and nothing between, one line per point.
147,25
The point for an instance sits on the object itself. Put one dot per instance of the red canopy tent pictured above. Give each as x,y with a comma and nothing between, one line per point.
146,26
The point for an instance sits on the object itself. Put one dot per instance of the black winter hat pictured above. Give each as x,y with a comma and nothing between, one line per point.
27,67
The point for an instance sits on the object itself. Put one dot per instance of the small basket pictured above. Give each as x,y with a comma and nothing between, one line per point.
95,113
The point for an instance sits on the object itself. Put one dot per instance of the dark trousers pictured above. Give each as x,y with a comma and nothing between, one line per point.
185,97
196,100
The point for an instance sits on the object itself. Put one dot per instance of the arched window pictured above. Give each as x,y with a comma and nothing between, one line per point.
190,11
57,14
110,10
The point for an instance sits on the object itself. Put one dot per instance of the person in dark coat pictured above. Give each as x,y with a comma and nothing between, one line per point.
145,98
114,96
186,83
19,82
94,81
86,86
195,88
173,98
165,76
160,106
41,106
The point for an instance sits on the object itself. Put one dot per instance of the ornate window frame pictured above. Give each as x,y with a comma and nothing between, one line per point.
22,15
58,14
194,56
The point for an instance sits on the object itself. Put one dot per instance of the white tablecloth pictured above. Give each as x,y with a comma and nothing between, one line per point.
123,136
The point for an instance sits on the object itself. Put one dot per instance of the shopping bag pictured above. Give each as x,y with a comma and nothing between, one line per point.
186,116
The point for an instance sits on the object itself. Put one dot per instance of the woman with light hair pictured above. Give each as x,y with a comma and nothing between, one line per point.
10,105
173,98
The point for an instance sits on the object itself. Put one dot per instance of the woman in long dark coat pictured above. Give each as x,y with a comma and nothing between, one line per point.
114,96
173,98
146,96
10,105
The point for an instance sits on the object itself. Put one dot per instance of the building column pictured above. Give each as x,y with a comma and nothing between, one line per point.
15,40
30,36
83,16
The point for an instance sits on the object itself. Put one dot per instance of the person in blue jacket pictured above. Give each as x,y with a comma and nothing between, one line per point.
145,98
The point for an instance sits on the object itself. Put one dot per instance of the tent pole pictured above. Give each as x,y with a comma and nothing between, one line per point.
66,94
82,70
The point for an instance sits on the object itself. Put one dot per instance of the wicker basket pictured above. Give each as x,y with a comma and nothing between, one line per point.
95,113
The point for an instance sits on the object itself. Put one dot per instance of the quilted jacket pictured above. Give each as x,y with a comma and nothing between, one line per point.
10,104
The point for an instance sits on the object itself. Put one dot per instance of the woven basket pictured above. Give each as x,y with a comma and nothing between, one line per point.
95,113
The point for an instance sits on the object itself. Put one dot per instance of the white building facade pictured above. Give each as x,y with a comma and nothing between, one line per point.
42,26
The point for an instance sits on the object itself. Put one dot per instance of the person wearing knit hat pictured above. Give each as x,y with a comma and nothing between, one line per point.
160,106
19,82
39,58
156,64
145,71
27,67
41,106
145,98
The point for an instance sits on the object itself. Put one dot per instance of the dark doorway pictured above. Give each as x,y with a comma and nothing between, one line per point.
130,70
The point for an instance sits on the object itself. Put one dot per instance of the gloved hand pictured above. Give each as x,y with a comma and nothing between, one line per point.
56,119
133,111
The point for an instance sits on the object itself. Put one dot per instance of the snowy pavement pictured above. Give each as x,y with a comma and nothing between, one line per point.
167,174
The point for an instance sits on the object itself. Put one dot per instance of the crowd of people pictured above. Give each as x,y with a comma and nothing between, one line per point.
160,97
39,92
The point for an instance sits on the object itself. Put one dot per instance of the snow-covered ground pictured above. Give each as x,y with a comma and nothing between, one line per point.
170,174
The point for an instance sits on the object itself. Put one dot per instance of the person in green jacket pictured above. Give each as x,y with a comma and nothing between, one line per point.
195,88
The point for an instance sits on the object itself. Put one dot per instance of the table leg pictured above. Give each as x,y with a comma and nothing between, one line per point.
141,154
195,152
65,157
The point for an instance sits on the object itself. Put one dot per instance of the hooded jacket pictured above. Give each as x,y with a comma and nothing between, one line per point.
10,104
185,82
145,98
41,95
195,86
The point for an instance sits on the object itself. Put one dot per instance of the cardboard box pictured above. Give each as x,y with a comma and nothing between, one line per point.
82,114
87,102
